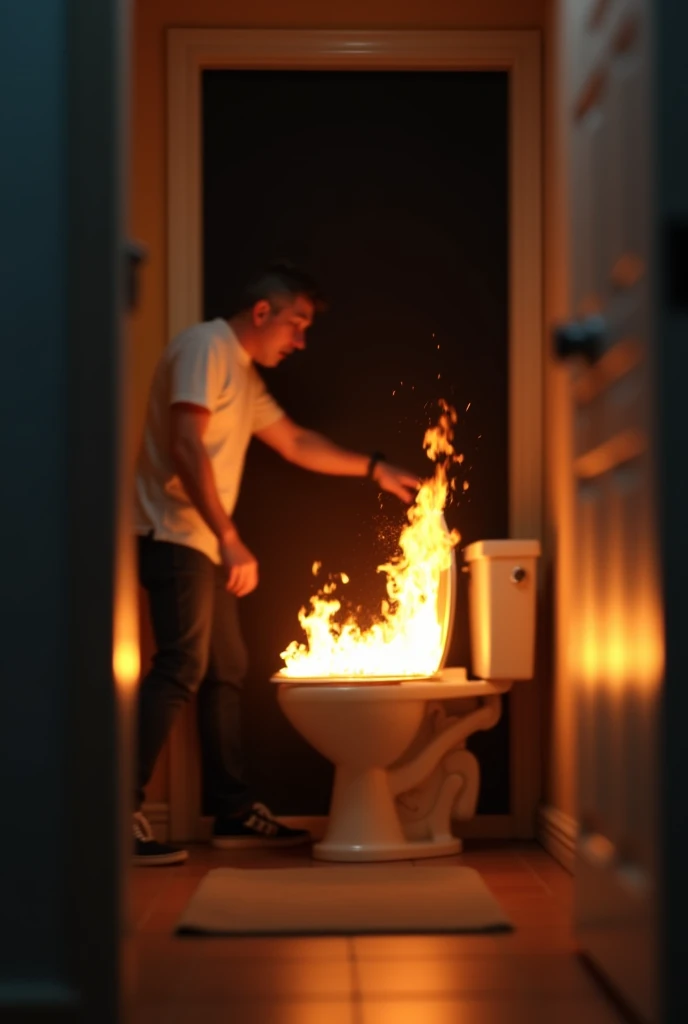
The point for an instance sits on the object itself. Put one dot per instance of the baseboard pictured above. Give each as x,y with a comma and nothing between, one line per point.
557,832
484,826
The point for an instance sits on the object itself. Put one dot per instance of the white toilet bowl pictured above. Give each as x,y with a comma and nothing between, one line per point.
402,771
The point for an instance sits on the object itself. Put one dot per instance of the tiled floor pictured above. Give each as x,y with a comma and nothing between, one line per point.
531,975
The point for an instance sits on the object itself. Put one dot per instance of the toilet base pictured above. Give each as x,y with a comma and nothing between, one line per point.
364,823
408,850
394,798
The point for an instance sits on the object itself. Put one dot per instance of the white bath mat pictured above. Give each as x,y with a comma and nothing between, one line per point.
352,899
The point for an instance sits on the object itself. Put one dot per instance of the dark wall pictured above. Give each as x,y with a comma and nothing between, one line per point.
392,189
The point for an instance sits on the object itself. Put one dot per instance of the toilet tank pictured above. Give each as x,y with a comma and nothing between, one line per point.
502,599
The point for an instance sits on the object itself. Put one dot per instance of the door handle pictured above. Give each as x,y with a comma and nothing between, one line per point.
581,339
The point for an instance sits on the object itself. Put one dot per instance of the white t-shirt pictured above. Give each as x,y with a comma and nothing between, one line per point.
205,365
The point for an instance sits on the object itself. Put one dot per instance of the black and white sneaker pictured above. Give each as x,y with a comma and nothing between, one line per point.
258,828
148,852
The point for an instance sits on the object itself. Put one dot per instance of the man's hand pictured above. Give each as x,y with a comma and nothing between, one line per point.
396,481
241,566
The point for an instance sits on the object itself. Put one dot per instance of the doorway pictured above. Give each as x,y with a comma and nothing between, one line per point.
512,58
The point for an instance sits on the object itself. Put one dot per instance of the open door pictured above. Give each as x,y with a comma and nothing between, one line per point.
616,654
70,647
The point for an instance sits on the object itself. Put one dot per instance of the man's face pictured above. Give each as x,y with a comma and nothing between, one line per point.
281,326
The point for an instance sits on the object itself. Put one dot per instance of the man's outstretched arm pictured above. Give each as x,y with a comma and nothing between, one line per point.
313,451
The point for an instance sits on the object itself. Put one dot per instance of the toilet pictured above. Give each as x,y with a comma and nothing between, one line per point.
402,770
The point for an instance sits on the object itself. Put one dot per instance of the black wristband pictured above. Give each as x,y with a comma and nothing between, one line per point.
374,459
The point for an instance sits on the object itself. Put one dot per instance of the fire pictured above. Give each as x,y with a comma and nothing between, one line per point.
406,638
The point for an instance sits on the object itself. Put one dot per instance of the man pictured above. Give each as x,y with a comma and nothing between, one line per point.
206,401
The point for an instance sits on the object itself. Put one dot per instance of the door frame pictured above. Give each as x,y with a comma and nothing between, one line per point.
189,53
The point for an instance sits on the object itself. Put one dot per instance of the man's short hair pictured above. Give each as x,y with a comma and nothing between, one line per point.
280,278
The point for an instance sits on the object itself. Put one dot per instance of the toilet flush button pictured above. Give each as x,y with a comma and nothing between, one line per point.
518,574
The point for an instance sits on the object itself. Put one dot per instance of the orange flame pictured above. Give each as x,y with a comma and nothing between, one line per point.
406,639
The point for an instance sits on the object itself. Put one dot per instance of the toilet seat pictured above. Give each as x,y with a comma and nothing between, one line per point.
447,684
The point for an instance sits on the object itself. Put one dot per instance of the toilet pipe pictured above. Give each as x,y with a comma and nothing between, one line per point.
407,776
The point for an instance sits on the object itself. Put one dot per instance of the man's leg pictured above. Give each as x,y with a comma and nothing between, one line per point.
239,822
180,582
219,709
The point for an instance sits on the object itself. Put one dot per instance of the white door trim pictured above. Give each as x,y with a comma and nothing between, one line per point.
189,53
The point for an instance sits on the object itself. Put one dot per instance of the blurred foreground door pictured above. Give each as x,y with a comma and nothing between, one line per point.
68,613
616,652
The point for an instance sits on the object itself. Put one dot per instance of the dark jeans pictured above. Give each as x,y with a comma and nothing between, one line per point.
199,648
